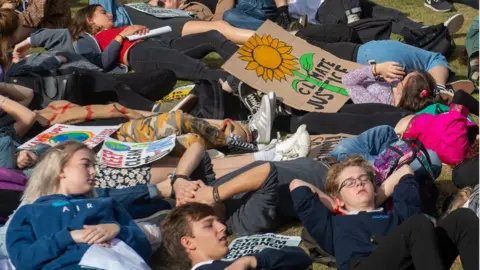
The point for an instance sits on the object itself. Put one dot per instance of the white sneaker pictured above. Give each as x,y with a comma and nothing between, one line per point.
262,120
454,23
294,147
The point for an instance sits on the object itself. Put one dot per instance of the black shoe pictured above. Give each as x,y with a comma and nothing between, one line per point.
236,146
247,94
283,20
438,5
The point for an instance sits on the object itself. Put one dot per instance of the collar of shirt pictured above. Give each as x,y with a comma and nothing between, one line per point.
201,264
369,211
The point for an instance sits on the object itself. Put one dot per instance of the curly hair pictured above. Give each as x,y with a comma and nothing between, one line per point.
332,186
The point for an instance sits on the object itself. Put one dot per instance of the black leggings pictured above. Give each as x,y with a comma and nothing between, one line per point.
333,12
340,40
416,242
351,119
137,90
181,55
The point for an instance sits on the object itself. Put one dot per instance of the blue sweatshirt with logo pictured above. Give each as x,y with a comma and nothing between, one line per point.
39,234
348,237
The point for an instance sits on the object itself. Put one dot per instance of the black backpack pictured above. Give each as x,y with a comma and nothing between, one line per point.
435,38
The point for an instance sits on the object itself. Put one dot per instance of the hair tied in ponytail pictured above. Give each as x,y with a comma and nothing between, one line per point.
424,93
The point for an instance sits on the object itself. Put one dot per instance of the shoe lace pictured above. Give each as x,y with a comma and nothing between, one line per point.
237,142
254,101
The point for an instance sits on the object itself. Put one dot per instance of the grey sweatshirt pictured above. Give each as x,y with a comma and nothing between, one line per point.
85,53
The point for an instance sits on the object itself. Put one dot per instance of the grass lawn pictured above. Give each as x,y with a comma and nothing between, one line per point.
415,10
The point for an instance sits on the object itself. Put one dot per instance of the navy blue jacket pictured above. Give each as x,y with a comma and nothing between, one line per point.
348,237
39,234
286,258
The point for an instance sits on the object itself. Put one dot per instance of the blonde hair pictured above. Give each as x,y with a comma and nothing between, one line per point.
332,186
45,178
9,23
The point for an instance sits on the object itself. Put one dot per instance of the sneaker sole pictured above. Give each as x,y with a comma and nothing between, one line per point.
268,131
454,23
434,9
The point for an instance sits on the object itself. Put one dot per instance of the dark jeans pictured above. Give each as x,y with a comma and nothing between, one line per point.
333,12
351,119
269,207
417,242
137,90
181,55
250,14
337,39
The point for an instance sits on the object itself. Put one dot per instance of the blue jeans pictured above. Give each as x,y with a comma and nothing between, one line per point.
140,201
250,14
372,142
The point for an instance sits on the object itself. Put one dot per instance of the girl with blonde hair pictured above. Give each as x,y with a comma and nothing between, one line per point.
61,219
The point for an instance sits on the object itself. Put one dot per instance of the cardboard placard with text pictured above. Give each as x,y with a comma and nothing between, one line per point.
322,145
302,75
58,133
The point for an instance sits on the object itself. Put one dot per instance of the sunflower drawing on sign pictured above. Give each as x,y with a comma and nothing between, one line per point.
271,59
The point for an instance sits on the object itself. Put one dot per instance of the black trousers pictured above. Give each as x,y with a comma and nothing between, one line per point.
137,90
337,39
416,242
333,12
181,55
351,119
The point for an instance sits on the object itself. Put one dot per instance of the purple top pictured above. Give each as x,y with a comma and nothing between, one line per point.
363,88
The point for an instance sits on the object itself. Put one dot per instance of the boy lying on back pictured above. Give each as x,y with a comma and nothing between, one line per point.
192,233
362,236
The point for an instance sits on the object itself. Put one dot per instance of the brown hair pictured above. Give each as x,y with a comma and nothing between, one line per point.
9,23
412,99
332,185
176,225
80,25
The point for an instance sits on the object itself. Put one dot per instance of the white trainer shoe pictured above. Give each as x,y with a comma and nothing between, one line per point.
294,147
261,122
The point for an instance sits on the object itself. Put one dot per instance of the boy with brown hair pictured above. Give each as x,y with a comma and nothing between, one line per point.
193,234
366,237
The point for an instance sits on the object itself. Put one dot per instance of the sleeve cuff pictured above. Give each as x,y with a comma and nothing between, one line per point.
63,238
153,192
261,261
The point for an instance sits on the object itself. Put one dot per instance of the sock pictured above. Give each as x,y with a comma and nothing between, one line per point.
282,9
266,155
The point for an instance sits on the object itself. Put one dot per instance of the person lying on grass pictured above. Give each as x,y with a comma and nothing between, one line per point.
62,217
193,234
366,237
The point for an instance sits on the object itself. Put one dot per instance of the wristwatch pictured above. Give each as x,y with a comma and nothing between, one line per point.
173,177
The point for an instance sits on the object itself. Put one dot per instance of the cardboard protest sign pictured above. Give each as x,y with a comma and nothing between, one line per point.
253,244
322,145
128,155
303,76
89,135
158,11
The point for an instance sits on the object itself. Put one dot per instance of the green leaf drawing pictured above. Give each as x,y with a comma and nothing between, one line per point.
294,84
306,61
